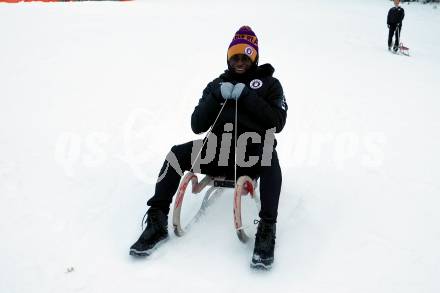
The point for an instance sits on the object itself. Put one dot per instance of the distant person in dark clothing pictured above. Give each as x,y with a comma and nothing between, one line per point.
394,21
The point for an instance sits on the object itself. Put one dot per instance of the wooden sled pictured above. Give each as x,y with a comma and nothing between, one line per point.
245,185
403,50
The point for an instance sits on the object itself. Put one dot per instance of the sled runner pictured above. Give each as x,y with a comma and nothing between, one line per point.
245,185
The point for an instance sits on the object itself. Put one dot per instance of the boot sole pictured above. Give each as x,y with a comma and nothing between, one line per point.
261,266
144,253
135,252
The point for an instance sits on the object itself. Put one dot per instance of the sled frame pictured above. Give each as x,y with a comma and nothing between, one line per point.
245,185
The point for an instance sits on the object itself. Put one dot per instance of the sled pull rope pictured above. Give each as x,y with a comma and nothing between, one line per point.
207,136
192,166
235,152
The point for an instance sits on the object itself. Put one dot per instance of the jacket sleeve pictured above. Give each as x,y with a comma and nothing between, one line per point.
403,16
388,17
206,111
270,112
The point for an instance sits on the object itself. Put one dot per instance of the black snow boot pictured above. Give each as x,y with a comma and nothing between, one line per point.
264,246
155,232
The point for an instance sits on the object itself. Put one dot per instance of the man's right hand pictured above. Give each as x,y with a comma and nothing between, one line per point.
226,90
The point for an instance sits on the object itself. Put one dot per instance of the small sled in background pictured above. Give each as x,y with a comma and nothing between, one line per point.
403,50
245,185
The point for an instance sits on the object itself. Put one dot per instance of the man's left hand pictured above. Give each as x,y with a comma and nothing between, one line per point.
238,90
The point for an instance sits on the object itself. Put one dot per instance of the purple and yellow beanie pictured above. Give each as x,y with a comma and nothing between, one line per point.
244,42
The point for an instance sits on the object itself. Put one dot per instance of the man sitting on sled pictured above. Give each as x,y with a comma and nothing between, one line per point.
244,101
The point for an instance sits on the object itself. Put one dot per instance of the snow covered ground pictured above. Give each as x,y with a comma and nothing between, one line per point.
94,94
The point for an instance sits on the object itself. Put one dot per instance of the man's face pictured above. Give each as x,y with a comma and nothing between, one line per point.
396,2
240,63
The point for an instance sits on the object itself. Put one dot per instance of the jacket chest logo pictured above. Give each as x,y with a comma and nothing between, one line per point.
256,84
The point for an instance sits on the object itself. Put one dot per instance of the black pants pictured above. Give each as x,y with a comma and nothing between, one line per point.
394,30
270,177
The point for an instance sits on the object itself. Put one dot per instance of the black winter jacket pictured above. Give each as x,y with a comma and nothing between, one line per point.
395,16
261,106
